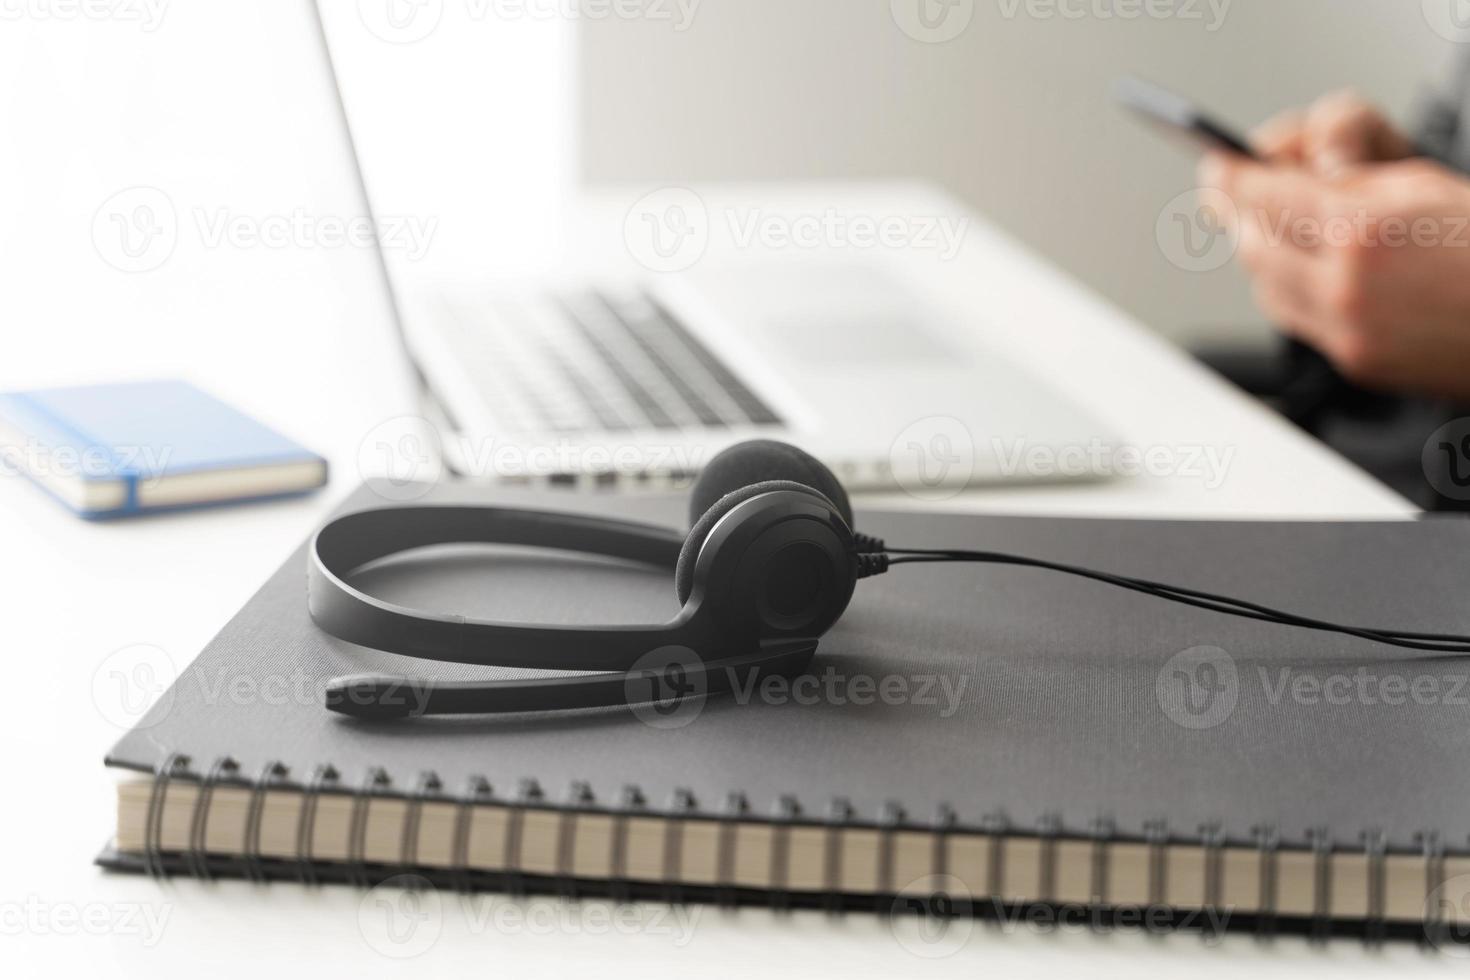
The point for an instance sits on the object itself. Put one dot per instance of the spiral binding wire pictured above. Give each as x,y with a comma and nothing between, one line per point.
788,812
681,808
272,776
373,784
1321,843
633,803
945,821
528,794
477,793
840,815
580,799
1268,842
196,859
1375,848
1101,830
322,778
428,788
1156,833
173,765
890,820
996,825
736,809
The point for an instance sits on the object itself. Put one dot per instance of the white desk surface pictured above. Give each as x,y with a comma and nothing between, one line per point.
299,338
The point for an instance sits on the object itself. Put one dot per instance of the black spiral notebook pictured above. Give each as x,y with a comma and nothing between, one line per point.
1002,737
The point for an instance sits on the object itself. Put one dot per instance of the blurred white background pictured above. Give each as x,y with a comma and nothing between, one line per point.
225,109
1012,113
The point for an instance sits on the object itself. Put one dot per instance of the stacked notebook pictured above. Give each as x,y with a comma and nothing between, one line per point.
970,739
118,450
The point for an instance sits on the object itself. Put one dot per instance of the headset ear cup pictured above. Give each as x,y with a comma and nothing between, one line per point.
689,554
761,461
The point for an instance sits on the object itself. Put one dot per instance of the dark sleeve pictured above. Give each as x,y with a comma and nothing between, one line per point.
1441,132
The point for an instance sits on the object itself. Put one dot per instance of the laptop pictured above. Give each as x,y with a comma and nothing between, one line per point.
636,376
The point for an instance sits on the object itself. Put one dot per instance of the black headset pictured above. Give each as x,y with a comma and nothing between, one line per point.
770,563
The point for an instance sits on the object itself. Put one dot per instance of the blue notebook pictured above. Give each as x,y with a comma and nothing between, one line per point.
118,449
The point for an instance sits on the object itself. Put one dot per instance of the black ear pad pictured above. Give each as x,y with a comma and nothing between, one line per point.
760,461
689,554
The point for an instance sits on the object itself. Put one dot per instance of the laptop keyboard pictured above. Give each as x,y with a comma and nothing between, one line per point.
598,361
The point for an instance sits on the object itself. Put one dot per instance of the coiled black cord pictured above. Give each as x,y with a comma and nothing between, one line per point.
881,558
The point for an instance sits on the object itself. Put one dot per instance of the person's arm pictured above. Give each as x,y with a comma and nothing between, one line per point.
1371,267
1441,132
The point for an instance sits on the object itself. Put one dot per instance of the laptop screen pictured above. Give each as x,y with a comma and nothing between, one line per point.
461,118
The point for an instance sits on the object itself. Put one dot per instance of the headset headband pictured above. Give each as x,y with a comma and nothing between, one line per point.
348,543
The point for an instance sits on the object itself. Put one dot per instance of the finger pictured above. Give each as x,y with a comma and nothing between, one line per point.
1342,132
1280,138
1276,258
1285,306
1275,198
1210,195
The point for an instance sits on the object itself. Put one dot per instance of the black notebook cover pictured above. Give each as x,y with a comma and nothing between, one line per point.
983,689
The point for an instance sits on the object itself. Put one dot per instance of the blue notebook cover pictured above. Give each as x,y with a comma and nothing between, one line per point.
117,449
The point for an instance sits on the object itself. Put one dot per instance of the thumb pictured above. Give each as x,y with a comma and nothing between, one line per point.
1341,133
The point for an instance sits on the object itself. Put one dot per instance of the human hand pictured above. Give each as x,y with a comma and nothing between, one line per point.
1372,268
1337,132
